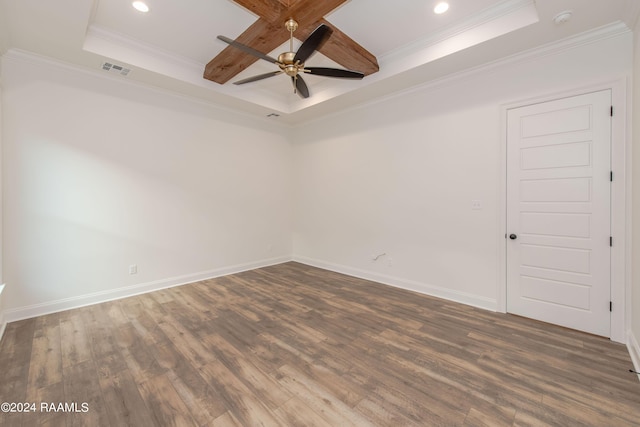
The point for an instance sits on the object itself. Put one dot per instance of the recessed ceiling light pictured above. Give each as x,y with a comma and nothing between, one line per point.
441,7
140,6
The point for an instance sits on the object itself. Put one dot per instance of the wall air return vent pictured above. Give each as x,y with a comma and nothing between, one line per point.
115,69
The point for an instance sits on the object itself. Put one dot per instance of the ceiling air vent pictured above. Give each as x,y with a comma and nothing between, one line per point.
116,69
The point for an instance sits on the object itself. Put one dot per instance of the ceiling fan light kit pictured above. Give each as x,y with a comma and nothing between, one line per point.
293,63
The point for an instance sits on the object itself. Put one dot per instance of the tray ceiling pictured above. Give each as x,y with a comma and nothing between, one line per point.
170,45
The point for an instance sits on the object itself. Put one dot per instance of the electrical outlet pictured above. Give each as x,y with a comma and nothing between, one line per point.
476,205
133,269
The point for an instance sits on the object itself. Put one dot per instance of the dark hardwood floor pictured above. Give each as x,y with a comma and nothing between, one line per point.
292,345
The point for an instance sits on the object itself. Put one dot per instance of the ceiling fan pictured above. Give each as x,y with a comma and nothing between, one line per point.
293,63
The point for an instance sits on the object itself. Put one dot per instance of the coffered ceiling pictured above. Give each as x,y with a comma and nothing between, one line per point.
170,46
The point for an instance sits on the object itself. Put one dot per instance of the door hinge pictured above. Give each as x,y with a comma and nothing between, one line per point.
610,305
611,113
611,176
611,241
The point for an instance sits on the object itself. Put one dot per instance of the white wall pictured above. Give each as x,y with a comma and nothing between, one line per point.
634,334
399,177
2,318
99,174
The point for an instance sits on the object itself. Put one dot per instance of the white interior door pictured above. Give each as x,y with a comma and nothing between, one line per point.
558,212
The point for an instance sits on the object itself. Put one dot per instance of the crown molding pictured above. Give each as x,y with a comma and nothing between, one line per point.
616,29
613,30
122,41
486,16
19,55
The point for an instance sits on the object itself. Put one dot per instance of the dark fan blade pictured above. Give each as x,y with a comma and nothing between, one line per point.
334,72
313,43
258,77
301,86
247,49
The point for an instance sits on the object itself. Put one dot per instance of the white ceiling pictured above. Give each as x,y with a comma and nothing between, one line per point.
169,46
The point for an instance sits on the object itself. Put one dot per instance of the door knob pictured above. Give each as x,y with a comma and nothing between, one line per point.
513,236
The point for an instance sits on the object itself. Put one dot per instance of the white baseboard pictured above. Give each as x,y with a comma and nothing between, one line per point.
423,288
27,312
634,351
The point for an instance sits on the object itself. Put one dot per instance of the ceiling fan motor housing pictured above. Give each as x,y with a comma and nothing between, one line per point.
285,62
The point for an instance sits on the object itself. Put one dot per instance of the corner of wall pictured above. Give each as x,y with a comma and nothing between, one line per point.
3,322
633,333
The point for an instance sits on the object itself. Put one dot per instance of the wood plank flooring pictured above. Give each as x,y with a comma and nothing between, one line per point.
292,345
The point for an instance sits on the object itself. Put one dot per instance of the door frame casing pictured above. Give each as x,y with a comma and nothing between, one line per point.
620,196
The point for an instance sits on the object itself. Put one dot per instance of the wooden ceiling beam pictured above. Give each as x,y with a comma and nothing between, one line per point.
343,50
268,32
261,35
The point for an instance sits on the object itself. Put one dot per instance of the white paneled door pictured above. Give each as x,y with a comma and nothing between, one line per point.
558,211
